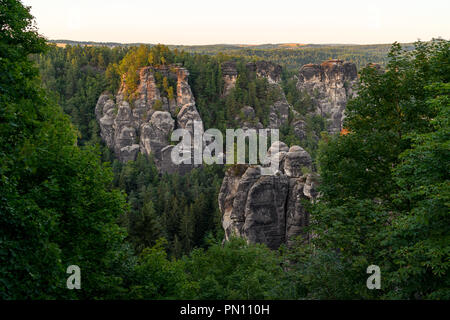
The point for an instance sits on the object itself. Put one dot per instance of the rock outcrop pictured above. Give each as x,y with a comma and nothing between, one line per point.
263,69
229,74
266,69
278,112
247,119
268,209
144,122
330,85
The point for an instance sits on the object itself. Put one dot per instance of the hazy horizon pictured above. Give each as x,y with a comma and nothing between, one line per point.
237,22
234,44
237,44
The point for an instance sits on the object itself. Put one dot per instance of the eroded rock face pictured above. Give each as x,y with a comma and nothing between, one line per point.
266,69
229,74
296,159
146,123
129,153
300,129
279,146
184,92
268,208
155,134
330,85
186,117
247,119
278,112
297,218
265,211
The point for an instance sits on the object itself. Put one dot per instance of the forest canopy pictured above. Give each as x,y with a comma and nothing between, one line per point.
137,234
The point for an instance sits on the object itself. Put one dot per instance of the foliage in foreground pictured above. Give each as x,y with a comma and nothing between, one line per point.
385,185
56,205
385,196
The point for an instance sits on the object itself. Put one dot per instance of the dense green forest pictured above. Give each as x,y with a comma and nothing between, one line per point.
292,56
292,59
137,234
76,76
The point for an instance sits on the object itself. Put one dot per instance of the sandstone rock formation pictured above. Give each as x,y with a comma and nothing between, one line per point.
145,122
247,119
330,85
229,74
266,69
262,69
268,209
278,112
299,129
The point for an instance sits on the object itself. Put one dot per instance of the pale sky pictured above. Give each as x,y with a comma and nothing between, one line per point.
192,22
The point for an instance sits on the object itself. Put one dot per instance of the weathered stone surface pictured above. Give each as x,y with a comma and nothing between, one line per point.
247,119
248,112
311,184
266,208
297,218
266,69
229,74
265,217
251,175
145,124
155,134
129,153
126,137
300,129
330,85
233,196
253,206
279,113
148,91
277,146
184,92
277,155
105,112
186,117
166,165
296,159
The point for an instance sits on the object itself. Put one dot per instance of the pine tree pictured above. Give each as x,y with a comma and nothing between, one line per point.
366,172
144,227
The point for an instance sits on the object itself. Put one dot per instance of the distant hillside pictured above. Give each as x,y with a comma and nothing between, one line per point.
290,55
226,47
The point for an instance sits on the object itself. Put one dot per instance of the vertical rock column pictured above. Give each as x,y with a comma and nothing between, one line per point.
267,209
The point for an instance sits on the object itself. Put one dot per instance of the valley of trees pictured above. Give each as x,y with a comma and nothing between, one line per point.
291,56
137,234
292,59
